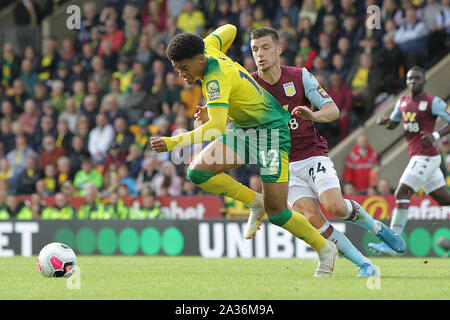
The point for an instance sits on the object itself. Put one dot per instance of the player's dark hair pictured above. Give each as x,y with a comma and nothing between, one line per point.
185,46
418,69
262,32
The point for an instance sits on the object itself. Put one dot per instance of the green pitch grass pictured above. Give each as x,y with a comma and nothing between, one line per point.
195,278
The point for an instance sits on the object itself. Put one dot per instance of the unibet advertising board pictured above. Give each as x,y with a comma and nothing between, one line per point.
206,238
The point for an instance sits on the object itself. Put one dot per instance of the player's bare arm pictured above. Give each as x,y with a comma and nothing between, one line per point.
329,112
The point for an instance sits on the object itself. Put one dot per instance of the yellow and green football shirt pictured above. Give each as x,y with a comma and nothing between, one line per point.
227,83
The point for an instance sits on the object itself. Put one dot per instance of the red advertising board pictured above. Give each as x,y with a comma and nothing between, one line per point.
199,207
381,207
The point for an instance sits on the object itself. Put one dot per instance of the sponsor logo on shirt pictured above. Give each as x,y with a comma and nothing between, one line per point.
213,90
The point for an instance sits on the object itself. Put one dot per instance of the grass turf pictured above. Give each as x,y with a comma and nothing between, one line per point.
195,278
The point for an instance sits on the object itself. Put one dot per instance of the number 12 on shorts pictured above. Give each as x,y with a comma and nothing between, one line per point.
318,169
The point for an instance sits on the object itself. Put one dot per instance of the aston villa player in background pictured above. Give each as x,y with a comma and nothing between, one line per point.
312,177
418,110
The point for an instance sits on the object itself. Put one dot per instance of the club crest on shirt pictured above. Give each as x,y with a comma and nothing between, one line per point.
289,89
423,105
213,90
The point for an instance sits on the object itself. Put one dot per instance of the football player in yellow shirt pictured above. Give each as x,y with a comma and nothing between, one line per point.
260,135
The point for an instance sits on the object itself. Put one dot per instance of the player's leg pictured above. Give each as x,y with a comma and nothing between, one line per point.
207,171
441,195
279,214
311,209
323,180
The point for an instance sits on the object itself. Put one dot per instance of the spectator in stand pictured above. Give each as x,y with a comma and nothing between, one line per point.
113,34
28,76
62,210
26,181
308,10
131,42
77,153
191,96
67,51
64,136
289,8
8,173
134,160
191,20
115,156
45,128
124,74
360,162
319,69
6,135
29,119
49,60
171,30
16,209
168,179
384,187
146,174
351,29
341,94
87,53
50,178
325,50
122,135
36,205
148,210
78,73
17,156
171,93
331,28
92,208
70,115
19,95
155,13
144,52
10,65
127,180
62,74
89,109
100,138
87,176
51,153
391,65
40,94
111,108
364,79
64,172
441,31
8,111
412,39
83,129
224,14
29,53
306,52
338,65
135,100
109,57
90,19
57,96
116,208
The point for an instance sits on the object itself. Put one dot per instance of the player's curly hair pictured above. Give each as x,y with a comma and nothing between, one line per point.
185,46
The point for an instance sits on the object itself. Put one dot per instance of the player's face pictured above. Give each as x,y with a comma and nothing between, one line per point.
266,52
415,81
191,69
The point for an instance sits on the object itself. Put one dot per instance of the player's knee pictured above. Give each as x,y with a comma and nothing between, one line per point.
199,176
273,207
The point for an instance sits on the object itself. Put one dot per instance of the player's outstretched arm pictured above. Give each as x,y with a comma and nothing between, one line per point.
212,129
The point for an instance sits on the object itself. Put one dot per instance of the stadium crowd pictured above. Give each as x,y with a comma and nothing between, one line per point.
76,116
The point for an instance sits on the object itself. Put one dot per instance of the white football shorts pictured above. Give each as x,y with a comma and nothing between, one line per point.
311,177
423,172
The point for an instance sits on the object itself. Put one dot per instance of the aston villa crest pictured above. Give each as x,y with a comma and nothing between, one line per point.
289,89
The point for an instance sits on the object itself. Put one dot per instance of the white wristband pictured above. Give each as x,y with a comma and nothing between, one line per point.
436,135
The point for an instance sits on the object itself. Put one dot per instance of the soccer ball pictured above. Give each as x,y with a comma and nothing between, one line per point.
56,260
